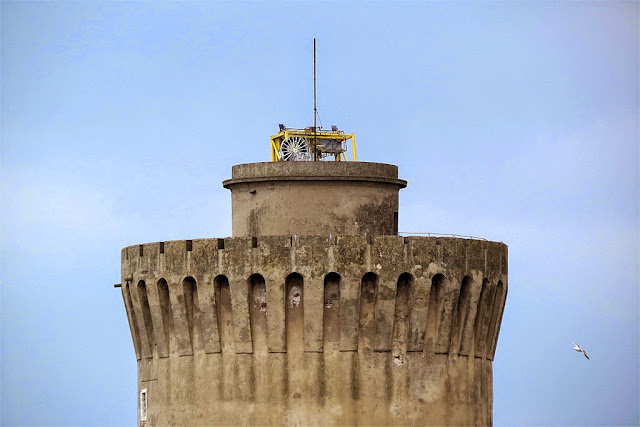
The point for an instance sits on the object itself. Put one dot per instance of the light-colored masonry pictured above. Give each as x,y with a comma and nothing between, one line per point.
315,330
255,331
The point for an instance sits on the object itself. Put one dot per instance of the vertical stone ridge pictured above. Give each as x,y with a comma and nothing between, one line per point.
146,315
131,316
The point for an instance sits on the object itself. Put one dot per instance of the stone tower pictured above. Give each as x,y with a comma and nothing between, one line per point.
315,311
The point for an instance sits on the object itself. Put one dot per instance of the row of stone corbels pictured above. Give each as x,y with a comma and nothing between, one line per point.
313,257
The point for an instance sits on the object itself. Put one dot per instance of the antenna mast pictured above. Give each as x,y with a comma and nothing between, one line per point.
291,144
315,110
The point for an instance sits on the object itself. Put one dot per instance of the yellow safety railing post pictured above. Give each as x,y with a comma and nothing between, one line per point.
275,156
271,147
353,146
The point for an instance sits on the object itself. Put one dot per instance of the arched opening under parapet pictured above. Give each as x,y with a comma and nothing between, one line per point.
258,313
331,310
294,312
146,314
461,315
480,317
132,318
192,306
367,317
224,313
494,324
401,317
434,312
166,313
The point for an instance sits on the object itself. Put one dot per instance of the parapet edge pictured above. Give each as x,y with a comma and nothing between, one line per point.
294,240
315,171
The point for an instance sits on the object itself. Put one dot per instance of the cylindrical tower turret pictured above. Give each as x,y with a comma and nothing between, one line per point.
314,198
315,311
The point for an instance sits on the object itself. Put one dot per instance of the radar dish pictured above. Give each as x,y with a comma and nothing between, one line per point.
295,148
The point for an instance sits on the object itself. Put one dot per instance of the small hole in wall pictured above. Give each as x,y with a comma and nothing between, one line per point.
140,250
220,243
254,242
189,245
161,247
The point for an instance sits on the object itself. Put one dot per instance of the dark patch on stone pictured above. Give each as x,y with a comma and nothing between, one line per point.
376,218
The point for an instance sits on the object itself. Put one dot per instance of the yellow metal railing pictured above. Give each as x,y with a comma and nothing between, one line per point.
309,135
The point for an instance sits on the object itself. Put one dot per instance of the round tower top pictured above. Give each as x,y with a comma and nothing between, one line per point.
327,170
314,198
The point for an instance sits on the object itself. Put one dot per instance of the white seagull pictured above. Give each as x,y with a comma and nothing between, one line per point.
580,350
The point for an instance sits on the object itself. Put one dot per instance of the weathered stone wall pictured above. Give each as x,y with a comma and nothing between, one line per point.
310,330
307,198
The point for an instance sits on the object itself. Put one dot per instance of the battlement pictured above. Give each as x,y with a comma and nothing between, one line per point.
312,294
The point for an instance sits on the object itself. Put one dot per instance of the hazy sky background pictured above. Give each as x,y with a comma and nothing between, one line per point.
514,121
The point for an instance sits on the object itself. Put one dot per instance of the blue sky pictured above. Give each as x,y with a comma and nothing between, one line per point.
515,121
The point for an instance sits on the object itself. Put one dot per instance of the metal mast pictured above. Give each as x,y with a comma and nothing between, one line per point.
315,110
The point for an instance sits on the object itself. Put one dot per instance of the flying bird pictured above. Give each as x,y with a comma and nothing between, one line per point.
580,350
